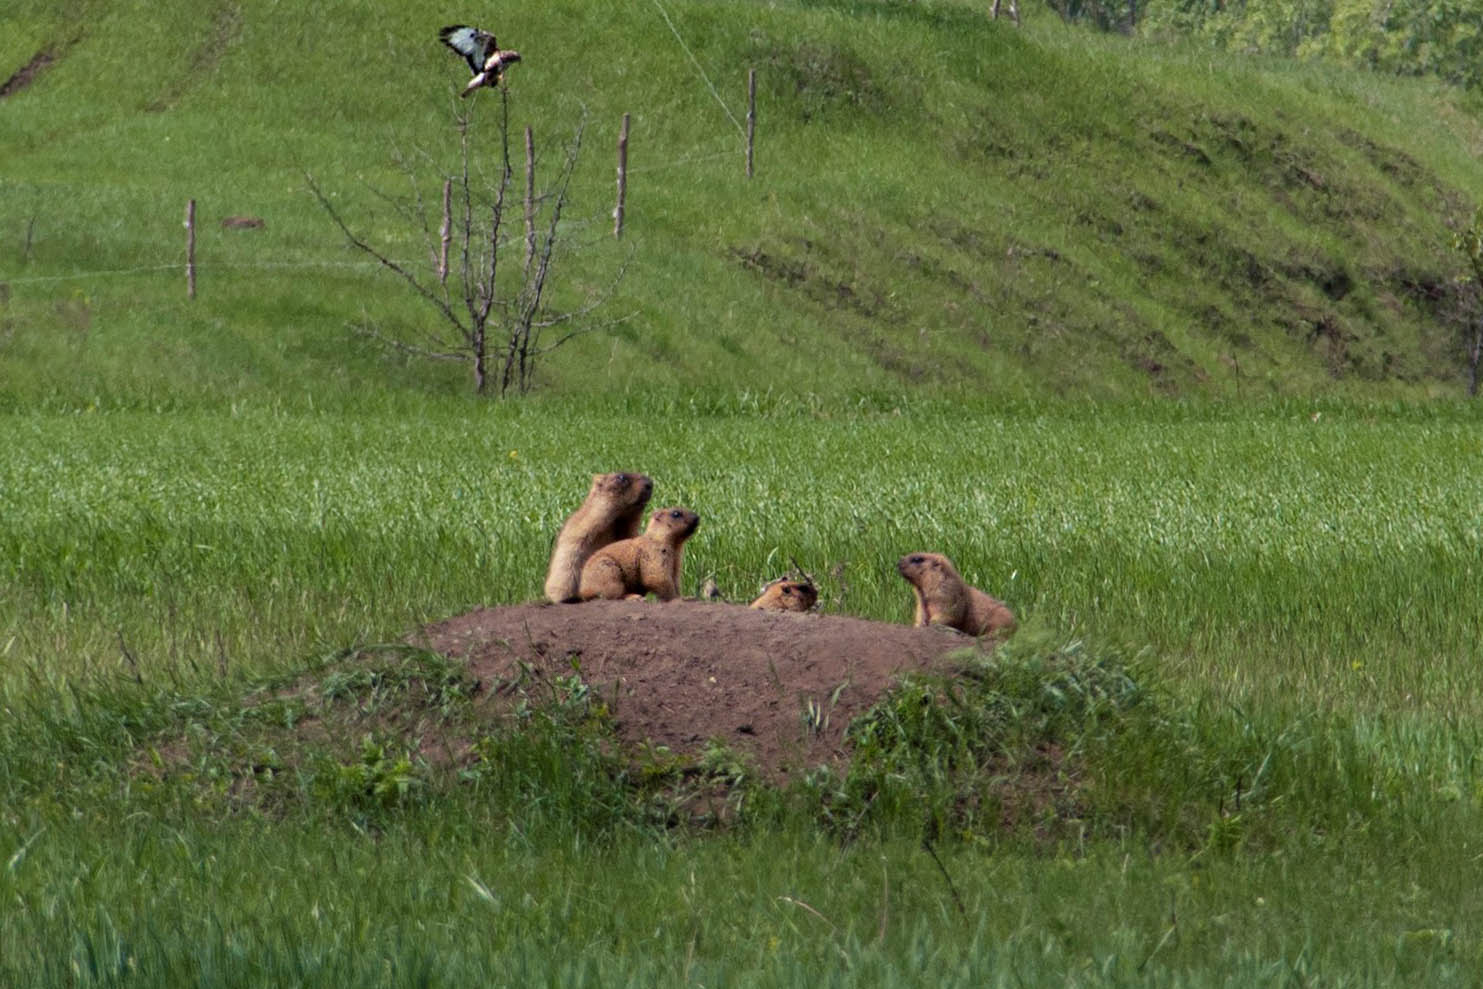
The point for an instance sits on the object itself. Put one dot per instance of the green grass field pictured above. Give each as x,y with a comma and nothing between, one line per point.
1300,595
1023,214
1163,347
1258,548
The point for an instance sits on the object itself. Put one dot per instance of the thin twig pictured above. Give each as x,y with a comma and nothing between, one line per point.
602,299
606,324
799,903
407,348
385,261
129,658
927,844
833,927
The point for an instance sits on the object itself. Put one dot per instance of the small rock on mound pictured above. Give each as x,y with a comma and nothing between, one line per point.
779,687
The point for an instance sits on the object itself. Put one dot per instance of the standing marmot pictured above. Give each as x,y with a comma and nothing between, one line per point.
648,563
611,512
786,594
943,598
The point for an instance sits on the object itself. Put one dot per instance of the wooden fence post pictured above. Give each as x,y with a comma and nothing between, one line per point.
751,115
445,232
622,177
530,197
190,248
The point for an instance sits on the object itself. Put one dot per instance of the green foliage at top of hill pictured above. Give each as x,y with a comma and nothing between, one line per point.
943,204
1408,37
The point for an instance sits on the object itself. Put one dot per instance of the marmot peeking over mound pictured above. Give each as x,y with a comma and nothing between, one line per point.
944,599
645,564
787,594
612,510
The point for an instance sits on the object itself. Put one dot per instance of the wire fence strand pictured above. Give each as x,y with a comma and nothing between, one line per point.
698,155
180,267
698,68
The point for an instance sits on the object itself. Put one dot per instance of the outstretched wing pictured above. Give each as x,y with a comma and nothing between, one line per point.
471,43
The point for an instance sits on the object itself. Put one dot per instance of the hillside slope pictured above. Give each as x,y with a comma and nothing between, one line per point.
942,204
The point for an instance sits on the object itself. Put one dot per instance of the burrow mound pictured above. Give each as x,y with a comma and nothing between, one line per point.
778,687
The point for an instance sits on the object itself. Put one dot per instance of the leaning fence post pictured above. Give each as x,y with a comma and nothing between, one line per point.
622,177
445,232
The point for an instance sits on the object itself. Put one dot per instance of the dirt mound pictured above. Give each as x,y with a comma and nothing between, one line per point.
779,687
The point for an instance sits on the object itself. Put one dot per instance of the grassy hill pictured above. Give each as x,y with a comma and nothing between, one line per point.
943,204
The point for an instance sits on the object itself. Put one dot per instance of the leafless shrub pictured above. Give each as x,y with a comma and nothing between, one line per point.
494,318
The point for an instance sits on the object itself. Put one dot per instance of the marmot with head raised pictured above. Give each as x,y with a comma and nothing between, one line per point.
944,599
612,510
646,564
787,594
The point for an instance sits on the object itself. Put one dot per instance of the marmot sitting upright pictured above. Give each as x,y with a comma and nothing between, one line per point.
787,594
944,599
645,564
612,510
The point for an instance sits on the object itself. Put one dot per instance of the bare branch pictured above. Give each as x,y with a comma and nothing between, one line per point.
499,332
602,299
525,339
407,348
583,331
385,261
420,213
468,214
535,288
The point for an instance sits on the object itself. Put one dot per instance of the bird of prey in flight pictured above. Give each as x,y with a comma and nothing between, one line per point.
484,56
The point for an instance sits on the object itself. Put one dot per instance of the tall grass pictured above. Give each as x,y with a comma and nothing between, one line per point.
446,904
1299,595
1263,556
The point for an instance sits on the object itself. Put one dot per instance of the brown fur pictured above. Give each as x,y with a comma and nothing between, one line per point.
612,510
944,599
647,564
786,594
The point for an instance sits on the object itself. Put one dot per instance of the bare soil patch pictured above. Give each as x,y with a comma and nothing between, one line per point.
778,687
35,65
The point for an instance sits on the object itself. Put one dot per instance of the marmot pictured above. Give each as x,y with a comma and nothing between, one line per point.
944,599
644,564
612,510
787,594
